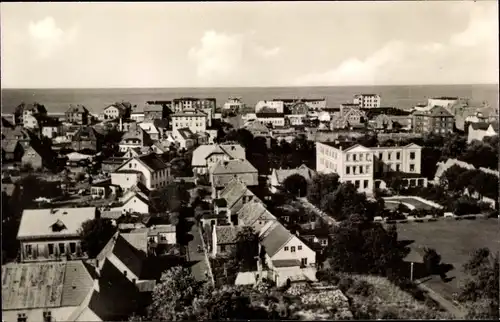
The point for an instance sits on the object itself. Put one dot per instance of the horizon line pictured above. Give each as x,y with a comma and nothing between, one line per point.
223,87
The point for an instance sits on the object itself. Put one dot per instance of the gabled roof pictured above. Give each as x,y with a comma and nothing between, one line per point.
132,258
9,146
303,170
86,133
77,109
201,153
253,211
153,108
234,190
440,111
136,132
38,222
480,126
152,161
233,167
226,234
45,285
185,133
275,238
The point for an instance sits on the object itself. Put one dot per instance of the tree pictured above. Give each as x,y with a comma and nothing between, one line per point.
95,234
172,197
453,147
343,202
173,297
296,185
247,249
481,291
432,260
362,246
321,185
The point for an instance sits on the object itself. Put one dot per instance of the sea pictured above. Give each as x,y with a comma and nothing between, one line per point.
96,99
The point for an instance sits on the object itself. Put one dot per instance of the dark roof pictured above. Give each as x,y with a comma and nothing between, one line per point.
269,114
440,111
349,104
154,162
6,123
160,123
480,126
128,255
153,108
286,262
340,144
274,239
185,132
366,95
226,234
77,109
220,202
86,133
445,98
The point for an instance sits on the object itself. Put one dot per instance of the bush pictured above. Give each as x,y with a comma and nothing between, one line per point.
361,287
345,284
389,314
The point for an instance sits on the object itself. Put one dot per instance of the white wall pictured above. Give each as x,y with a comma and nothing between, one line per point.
57,313
305,252
124,180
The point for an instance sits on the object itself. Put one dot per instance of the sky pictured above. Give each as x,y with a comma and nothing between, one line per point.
239,44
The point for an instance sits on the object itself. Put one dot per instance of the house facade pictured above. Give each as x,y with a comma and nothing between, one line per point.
77,114
478,131
275,119
86,138
179,105
367,100
233,104
205,156
50,234
276,105
135,137
436,120
223,172
149,169
194,120
35,158
357,164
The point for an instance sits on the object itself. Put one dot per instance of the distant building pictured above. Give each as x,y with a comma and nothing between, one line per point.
12,150
155,112
224,171
189,103
275,119
24,110
224,240
49,234
195,120
277,106
86,138
149,170
258,128
278,176
391,122
444,101
205,156
367,100
360,165
77,114
135,137
478,131
38,157
233,104
117,110
436,120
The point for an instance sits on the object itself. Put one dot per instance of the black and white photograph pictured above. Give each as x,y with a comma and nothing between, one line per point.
250,160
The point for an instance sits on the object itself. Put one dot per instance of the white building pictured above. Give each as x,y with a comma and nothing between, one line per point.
357,164
113,111
295,119
278,106
50,234
367,100
149,169
205,156
478,131
195,120
233,104
150,128
276,119
446,102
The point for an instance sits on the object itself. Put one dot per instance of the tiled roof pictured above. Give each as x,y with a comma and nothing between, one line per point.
344,145
39,222
303,170
226,234
132,258
152,161
138,238
45,285
286,263
85,133
234,190
274,238
253,211
440,111
158,229
153,108
185,132
161,124
233,167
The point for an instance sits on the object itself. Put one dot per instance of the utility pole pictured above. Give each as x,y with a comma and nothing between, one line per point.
411,272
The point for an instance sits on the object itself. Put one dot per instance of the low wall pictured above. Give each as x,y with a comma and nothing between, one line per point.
428,202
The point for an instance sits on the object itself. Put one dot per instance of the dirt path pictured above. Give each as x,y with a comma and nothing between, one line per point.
458,312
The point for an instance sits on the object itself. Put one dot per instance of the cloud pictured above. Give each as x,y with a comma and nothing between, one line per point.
48,38
469,56
218,56
267,52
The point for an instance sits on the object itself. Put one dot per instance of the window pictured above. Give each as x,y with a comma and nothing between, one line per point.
222,248
163,237
51,249
292,249
380,155
72,248
398,166
354,157
356,183
361,170
303,261
29,250
47,316
62,248
398,155
324,242
365,184
348,157
299,247
412,167
412,155
389,154
367,169
130,165
361,157
286,248
347,170
21,317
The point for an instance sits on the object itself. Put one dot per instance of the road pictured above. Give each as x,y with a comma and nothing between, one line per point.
320,213
449,306
200,267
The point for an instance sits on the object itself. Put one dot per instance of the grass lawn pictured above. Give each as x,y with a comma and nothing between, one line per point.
454,241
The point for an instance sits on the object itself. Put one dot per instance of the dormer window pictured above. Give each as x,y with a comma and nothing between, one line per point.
58,226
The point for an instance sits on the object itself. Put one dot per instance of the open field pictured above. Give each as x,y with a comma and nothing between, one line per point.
454,241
